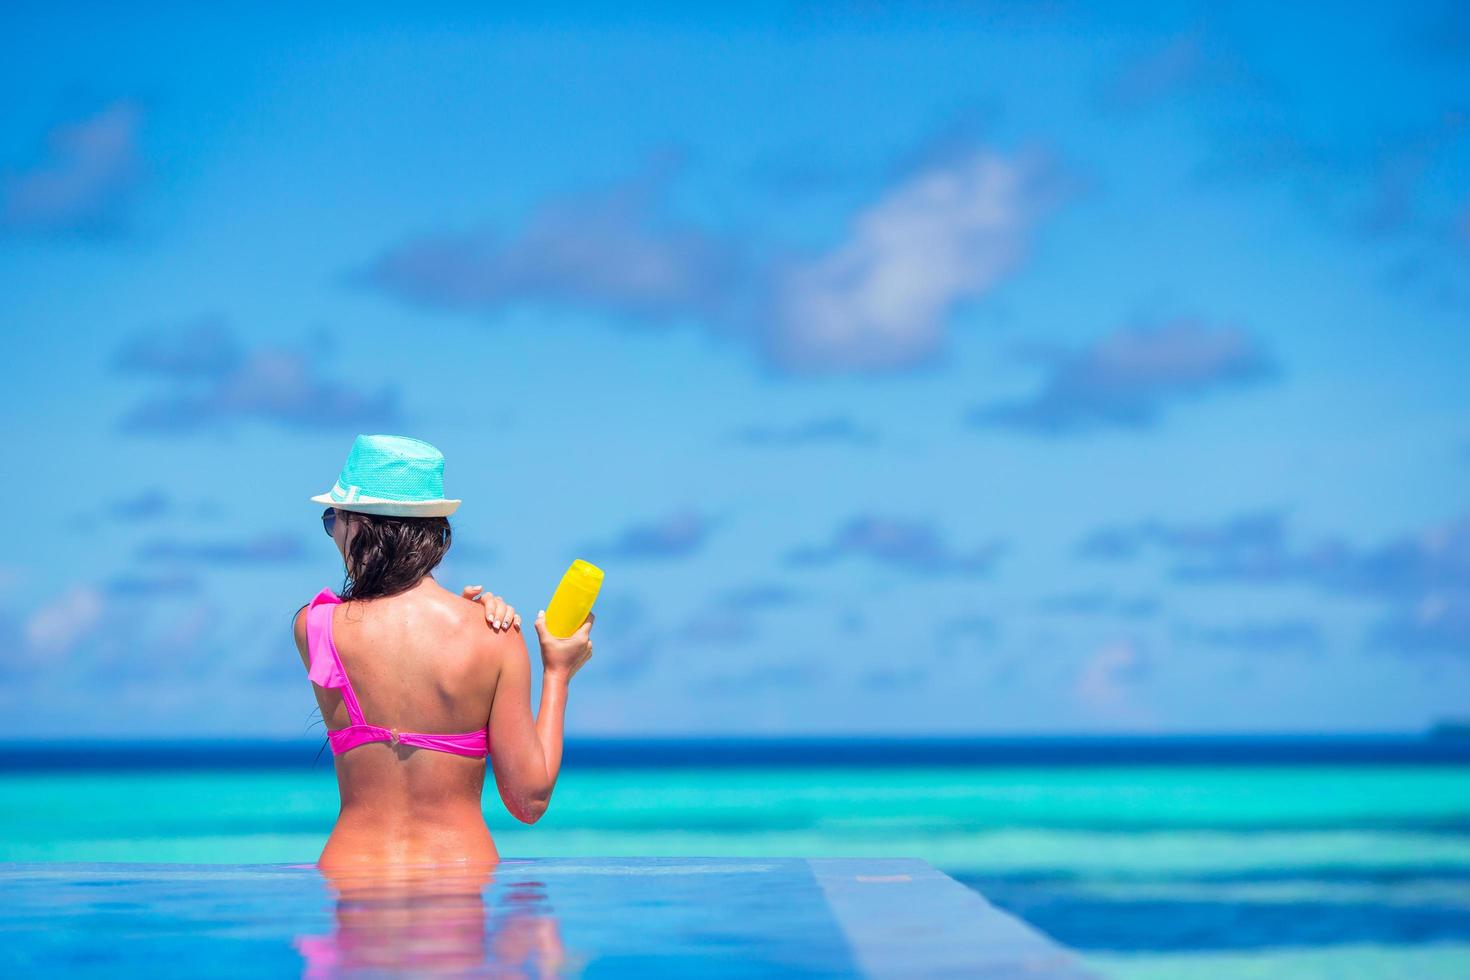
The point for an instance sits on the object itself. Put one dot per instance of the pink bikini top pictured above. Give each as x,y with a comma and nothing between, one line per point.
327,670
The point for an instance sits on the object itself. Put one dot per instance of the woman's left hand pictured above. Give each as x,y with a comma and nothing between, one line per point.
500,614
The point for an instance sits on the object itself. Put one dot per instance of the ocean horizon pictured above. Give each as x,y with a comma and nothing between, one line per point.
1387,748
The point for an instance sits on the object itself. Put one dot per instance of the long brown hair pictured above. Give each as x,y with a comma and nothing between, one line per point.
388,555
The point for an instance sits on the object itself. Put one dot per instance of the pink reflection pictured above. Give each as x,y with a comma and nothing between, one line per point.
431,919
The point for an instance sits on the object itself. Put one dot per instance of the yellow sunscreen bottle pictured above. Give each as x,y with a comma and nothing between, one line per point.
573,598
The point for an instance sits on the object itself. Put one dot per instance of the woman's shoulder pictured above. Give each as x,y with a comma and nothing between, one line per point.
299,622
324,597
434,611
468,616
455,628
465,620
298,630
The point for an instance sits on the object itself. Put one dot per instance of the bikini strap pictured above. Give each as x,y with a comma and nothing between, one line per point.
326,664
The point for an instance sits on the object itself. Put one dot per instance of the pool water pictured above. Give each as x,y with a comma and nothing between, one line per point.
534,917
1154,870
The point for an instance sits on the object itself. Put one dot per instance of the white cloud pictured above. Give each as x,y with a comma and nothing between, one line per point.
1106,684
93,167
56,628
881,298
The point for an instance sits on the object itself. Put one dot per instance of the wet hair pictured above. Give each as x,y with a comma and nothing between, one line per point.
389,555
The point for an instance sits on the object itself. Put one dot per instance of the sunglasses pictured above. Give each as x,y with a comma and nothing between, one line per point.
329,520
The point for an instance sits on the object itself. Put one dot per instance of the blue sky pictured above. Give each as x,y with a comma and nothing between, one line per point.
936,369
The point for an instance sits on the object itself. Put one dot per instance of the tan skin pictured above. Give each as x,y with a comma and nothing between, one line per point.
425,661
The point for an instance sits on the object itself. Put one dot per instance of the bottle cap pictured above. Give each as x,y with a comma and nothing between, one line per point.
585,574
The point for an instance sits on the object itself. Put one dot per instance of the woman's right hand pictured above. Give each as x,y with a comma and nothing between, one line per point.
564,655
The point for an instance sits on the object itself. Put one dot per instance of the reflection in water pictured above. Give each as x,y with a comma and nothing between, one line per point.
431,919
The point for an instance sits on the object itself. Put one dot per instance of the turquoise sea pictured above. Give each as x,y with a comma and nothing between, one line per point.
1149,868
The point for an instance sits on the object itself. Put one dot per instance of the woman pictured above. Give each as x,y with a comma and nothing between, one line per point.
415,691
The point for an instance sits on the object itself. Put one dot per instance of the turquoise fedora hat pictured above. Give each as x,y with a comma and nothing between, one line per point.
391,475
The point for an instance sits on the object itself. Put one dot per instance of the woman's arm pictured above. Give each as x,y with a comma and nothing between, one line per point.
521,748
525,753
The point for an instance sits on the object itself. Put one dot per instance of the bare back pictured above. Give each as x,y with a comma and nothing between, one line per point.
419,661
